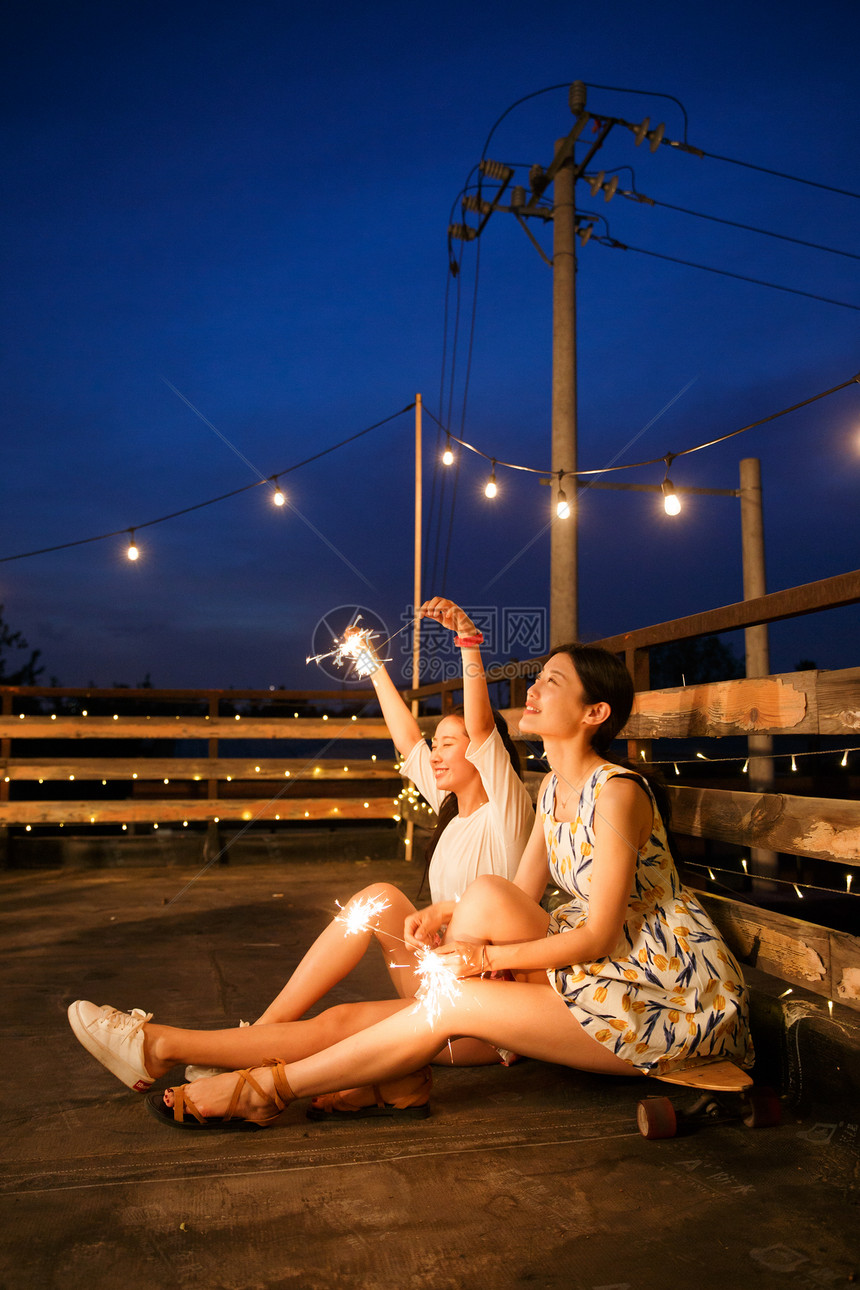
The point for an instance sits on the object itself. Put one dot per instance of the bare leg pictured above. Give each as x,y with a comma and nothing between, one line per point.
336,952
165,1046
529,1017
526,1016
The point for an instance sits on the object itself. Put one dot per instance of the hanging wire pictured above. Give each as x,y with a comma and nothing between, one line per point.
749,228
725,273
653,461
186,510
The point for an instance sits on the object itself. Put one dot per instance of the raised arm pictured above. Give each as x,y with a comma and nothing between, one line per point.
477,710
402,726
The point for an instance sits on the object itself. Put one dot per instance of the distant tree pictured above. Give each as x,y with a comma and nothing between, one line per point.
694,662
13,643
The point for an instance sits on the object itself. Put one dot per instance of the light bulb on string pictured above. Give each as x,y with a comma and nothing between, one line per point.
671,501
133,553
448,454
491,489
279,497
562,506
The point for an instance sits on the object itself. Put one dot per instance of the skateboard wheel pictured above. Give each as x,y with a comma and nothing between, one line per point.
656,1118
763,1109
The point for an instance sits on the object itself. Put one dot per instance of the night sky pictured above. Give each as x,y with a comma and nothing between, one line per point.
249,203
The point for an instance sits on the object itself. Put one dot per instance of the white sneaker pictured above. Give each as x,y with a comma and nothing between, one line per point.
115,1039
206,1072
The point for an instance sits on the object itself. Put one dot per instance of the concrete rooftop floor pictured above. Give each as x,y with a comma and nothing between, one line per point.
532,1176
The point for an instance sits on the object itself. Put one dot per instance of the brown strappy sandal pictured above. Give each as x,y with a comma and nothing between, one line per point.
185,1115
391,1100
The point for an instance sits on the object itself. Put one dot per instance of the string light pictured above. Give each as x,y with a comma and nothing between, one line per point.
279,497
448,454
133,553
491,489
671,500
562,506
844,761
793,763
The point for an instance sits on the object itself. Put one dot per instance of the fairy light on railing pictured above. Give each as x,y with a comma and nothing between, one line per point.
799,887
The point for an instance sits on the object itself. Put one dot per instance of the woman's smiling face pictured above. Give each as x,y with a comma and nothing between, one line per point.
555,701
448,755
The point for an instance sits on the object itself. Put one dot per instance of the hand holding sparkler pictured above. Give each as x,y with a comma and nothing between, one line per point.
424,925
451,616
464,958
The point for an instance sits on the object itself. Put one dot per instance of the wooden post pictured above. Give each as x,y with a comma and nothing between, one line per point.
212,844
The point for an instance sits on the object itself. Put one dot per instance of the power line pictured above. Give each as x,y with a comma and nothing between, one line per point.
750,228
765,170
725,273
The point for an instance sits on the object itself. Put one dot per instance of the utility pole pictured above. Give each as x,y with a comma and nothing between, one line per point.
563,575
562,173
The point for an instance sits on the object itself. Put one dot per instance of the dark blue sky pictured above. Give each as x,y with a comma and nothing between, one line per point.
251,202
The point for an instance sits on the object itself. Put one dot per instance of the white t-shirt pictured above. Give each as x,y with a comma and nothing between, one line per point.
491,839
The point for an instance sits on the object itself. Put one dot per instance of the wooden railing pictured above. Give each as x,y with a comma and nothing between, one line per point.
217,788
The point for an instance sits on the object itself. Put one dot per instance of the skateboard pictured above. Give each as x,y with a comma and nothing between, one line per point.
725,1093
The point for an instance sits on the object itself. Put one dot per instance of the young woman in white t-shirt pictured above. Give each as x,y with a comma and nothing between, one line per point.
470,776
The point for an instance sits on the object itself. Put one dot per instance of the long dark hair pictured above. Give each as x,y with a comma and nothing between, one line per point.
605,679
450,806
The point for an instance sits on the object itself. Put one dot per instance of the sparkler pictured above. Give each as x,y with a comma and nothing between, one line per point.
438,982
355,646
358,914
438,985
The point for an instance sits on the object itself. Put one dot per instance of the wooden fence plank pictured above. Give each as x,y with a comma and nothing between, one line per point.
38,727
162,812
761,705
823,827
191,768
839,702
800,953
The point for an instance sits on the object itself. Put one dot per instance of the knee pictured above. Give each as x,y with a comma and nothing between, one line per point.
488,888
380,891
484,894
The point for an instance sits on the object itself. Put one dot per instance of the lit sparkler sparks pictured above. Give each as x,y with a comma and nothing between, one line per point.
356,647
359,914
438,984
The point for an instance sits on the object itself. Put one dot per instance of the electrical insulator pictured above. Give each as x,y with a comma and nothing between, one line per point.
655,136
576,98
496,169
537,179
584,232
609,189
462,231
640,130
595,182
518,196
471,202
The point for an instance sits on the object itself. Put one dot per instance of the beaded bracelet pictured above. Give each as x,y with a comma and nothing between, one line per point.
469,642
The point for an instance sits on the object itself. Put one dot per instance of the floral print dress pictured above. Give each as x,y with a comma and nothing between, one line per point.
670,992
